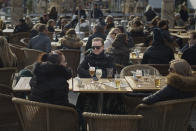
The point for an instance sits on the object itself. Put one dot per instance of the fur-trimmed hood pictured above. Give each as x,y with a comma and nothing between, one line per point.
183,83
71,42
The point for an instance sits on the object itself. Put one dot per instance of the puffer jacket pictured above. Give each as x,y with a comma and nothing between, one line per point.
49,84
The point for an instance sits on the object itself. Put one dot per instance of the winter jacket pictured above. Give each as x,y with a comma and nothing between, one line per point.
178,87
40,42
190,54
49,84
158,53
120,52
101,61
69,42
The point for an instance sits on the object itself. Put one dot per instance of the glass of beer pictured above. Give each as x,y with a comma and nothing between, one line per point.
117,80
157,81
92,71
98,73
133,54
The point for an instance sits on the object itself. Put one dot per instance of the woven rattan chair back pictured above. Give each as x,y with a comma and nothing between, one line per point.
16,38
19,54
31,55
127,70
7,75
73,59
9,120
107,122
35,116
172,115
4,89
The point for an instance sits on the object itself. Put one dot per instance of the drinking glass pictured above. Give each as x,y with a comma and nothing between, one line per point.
109,73
138,74
98,73
92,72
117,80
157,81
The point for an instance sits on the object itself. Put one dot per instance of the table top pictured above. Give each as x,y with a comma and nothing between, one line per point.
177,30
181,35
145,83
23,85
8,30
101,86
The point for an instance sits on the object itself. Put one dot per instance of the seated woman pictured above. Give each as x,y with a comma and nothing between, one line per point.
158,53
136,29
7,57
50,25
110,38
49,82
109,23
71,41
180,83
120,49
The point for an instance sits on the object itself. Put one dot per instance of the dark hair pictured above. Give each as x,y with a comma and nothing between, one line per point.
71,32
54,57
121,37
22,21
162,23
121,28
99,28
42,28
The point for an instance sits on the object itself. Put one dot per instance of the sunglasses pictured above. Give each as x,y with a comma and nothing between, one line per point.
96,47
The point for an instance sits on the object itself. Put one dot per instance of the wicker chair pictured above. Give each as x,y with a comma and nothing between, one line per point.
25,41
31,55
4,89
127,70
9,120
35,116
73,59
106,122
7,75
15,38
19,54
172,115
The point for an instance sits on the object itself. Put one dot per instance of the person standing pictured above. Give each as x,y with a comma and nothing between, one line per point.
96,13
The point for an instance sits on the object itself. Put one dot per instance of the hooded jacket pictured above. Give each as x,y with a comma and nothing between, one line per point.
158,53
178,87
49,84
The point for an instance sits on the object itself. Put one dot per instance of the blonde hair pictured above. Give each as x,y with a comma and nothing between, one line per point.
113,30
181,66
7,57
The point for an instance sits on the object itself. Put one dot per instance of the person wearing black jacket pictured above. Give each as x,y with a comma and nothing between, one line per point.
158,53
82,12
98,32
49,82
21,27
96,12
87,102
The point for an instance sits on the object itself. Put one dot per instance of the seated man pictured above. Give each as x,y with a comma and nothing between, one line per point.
41,41
189,51
98,59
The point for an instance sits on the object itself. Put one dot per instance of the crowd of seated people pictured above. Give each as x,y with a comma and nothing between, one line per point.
107,46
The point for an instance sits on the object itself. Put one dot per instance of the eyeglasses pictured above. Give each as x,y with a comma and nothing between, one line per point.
96,47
